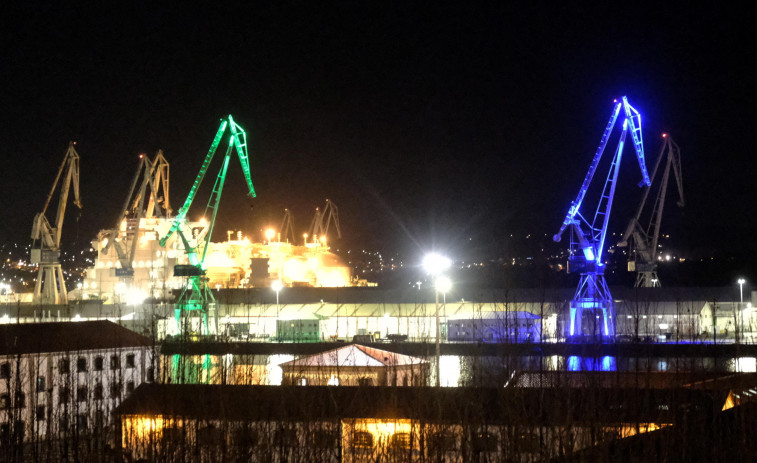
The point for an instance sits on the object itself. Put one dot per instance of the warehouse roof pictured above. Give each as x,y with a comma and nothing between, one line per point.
28,338
483,405
354,355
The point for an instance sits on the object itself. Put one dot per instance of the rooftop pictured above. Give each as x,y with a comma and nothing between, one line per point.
29,338
355,355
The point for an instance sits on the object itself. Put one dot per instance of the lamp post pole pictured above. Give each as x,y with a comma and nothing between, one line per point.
438,347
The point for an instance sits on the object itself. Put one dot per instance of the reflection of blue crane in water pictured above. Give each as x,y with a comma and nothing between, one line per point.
587,237
197,295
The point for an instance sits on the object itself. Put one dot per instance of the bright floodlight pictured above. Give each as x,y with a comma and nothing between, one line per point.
269,234
443,284
277,285
741,281
435,263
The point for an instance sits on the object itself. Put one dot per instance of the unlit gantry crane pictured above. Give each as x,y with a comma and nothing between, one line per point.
319,226
286,229
152,189
51,286
588,237
642,240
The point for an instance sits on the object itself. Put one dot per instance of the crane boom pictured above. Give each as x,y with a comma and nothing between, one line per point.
196,295
51,287
154,175
588,238
644,239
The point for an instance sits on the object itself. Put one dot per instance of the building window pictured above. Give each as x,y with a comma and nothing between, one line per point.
115,362
64,394
130,361
362,440
484,442
98,392
98,363
130,387
441,442
115,391
40,413
324,439
81,364
99,419
81,422
81,394
64,366
5,371
400,441
63,424
40,384
20,399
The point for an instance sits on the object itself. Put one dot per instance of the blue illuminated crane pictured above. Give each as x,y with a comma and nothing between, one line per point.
196,294
588,233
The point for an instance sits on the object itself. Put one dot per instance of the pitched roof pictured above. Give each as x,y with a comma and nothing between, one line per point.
355,355
27,338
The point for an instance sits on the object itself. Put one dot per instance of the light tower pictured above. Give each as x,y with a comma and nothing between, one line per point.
588,233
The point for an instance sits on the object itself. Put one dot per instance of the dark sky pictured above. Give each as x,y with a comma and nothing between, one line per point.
447,125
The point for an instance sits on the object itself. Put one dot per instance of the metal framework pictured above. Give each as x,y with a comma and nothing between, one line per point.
643,240
588,237
319,226
286,229
51,287
155,177
196,295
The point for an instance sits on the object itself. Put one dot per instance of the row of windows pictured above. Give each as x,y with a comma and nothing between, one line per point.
64,365
82,392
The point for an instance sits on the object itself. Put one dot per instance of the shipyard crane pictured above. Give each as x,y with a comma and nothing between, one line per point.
153,188
319,226
196,295
643,239
51,287
287,226
588,233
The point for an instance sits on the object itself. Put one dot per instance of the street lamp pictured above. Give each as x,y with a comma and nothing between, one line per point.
276,286
435,264
741,282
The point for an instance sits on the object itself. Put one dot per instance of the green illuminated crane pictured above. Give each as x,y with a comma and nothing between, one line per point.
196,295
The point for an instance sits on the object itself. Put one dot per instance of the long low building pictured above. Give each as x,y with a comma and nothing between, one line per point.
321,314
355,424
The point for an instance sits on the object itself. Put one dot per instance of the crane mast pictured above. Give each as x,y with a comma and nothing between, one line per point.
196,295
588,237
319,226
643,240
286,229
51,287
154,175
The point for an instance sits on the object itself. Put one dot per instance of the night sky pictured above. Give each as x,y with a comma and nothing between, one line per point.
431,125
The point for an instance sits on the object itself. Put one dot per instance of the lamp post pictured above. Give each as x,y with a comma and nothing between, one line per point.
435,265
276,286
741,291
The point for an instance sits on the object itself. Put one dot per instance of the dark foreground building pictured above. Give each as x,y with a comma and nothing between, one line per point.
207,423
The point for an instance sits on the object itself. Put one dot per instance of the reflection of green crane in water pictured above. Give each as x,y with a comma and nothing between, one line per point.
196,295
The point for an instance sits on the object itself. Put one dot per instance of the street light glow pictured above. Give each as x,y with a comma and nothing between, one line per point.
277,285
443,284
435,263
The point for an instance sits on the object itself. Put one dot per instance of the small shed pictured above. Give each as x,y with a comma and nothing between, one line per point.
356,365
